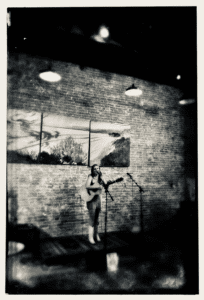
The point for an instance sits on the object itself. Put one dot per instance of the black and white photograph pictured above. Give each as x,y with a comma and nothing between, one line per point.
101,150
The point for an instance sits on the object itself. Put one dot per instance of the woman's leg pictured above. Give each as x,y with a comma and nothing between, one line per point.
96,223
90,207
91,234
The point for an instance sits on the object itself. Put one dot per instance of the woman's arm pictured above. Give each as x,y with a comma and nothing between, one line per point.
93,186
103,180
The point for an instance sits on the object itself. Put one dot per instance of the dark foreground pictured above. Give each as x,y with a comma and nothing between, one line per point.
162,262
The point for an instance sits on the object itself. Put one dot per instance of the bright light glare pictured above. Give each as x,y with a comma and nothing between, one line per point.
15,247
9,19
104,32
50,76
112,262
178,77
173,282
186,101
133,92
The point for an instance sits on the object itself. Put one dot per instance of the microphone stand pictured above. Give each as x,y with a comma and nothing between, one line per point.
141,204
107,192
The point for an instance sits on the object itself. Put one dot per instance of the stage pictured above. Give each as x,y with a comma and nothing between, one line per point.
153,263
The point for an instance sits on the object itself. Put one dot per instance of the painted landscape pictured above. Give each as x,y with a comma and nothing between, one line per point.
45,138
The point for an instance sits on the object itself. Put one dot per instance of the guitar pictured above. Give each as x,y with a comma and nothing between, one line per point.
88,194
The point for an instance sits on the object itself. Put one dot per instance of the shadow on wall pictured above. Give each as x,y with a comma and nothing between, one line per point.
160,215
125,217
191,188
68,213
61,213
25,233
54,207
12,204
190,137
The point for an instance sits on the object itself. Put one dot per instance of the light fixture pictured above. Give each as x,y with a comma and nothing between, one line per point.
133,91
104,32
102,35
186,101
50,76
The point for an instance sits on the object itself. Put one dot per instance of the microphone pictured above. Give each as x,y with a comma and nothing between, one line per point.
98,172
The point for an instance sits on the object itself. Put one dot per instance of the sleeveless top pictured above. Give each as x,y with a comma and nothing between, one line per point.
96,201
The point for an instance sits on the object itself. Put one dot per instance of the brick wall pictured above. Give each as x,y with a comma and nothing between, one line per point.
47,195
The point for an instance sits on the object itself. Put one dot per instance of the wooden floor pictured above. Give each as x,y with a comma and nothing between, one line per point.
54,248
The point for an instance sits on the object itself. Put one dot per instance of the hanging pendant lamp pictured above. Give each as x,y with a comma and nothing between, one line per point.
49,74
186,101
133,91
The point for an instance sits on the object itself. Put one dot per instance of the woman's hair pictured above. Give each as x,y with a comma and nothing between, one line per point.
92,172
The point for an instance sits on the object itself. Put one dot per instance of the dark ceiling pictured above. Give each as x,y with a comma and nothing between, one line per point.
152,43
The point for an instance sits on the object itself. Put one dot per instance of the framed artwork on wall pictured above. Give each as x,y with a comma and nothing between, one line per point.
44,138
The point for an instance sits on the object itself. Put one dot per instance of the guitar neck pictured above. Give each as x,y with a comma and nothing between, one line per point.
87,194
111,182
117,180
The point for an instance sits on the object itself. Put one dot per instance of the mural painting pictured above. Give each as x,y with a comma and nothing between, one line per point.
44,138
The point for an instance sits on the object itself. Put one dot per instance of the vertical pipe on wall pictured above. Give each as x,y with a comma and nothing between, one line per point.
41,124
89,153
141,215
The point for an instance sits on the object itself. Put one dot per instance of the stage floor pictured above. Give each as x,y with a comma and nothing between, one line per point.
130,264
53,249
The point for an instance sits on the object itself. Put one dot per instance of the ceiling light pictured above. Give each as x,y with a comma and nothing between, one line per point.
50,76
98,38
104,33
178,77
186,101
133,91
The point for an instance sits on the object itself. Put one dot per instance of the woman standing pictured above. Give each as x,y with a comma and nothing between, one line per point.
94,182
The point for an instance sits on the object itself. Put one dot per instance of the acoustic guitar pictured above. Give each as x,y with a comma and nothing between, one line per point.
88,194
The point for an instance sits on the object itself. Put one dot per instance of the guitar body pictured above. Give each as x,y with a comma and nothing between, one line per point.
88,195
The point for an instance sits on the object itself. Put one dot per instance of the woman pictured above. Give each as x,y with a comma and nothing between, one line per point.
94,182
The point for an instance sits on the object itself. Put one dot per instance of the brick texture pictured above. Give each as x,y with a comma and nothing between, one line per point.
47,195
